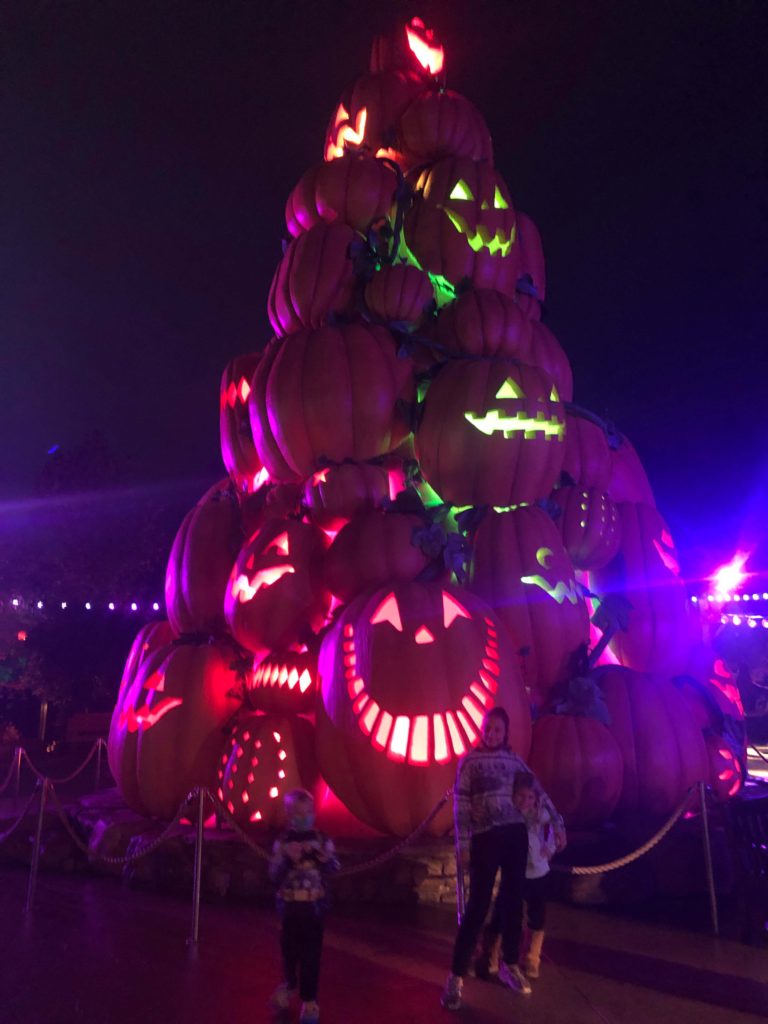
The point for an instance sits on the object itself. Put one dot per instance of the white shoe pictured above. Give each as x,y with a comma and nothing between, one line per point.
511,976
451,996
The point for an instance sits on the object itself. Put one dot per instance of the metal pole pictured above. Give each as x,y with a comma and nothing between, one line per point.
98,763
17,773
708,860
192,940
43,721
36,849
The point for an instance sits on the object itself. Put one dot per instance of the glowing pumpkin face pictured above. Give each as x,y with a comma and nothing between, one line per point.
463,225
284,681
505,419
275,589
413,47
266,757
406,675
237,449
366,118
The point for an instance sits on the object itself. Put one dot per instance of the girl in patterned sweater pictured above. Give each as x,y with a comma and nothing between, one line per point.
492,835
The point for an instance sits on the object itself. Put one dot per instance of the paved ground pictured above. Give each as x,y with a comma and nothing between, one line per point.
95,951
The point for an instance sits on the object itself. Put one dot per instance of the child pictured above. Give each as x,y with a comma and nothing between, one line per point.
492,834
541,847
302,858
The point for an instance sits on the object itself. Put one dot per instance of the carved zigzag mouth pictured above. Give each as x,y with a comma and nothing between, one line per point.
245,589
429,738
147,717
481,237
493,422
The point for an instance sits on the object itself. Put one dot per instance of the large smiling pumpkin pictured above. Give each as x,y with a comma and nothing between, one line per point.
520,567
165,736
492,433
275,589
462,225
406,674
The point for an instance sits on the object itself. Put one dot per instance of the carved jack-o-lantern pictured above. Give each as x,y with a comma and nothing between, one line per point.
237,449
502,419
589,526
265,757
406,675
520,567
334,494
283,681
166,729
365,119
275,589
462,225
412,47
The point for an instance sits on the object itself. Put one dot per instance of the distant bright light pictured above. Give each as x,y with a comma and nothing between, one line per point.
134,606
111,606
156,607
63,604
88,605
730,577
21,635
15,602
53,450
39,604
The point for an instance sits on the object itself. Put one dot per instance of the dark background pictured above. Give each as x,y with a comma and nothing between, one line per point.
147,150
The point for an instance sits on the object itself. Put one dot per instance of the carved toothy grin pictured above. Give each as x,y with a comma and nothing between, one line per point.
494,422
145,717
245,589
269,674
561,589
481,237
428,738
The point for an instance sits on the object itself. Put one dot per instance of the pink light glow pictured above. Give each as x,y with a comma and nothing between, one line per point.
729,578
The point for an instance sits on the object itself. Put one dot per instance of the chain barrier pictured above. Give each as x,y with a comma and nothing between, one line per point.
11,771
128,858
27,808
599,869
67,778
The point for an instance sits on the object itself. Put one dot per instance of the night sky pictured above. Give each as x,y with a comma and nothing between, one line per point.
147,150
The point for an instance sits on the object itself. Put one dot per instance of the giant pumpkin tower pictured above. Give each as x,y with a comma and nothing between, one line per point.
417,521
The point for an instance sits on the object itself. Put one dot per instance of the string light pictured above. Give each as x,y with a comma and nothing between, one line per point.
20,603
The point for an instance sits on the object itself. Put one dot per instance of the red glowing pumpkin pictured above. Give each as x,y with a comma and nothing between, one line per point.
200,562
661,744
237,449
442,124
275,590
491,434
579,764
373,549
589,526
149,639
411,47
462,225
313,280
329,395
400,295
283,681
406,674
366,118
334,494
354,190
726,770
547,353
265,757
646,572
166,729
521,569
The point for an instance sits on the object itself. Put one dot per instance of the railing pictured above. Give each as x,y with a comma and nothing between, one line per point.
45,790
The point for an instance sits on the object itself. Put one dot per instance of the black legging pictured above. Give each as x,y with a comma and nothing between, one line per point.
505,847
302,945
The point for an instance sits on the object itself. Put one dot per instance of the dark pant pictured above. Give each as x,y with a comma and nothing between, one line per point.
301,944
535,893
504,847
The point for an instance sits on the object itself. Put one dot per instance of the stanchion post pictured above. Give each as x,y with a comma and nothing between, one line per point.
17,775
192,941
708,859
36,849
99,745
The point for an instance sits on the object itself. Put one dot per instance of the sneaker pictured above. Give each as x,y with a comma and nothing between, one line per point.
310,1013
451,997
281,998
511,976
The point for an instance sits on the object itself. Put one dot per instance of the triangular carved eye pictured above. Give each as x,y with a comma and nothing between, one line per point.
510,389
280,544
499,202
453,610
461,190
388,612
